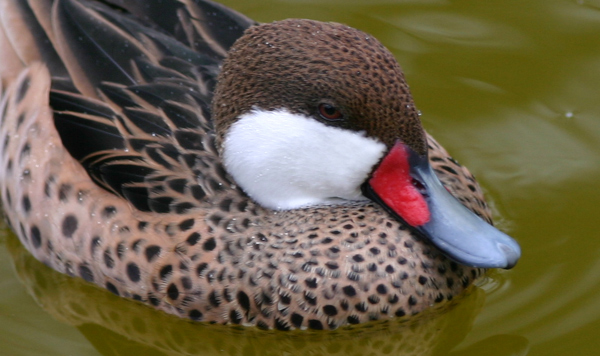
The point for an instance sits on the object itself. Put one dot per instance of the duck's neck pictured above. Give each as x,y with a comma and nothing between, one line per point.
285,161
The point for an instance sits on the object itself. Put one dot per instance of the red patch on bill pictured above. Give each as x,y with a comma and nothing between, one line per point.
393,184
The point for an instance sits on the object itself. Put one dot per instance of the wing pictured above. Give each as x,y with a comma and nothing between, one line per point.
132,96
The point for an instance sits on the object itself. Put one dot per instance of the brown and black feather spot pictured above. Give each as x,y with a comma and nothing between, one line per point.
150,123
156,94
218,21
150,71
93,41
118,94
180,116
82,137
75,102
118,175
138,196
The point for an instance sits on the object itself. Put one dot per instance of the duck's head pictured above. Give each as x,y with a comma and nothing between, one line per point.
311,113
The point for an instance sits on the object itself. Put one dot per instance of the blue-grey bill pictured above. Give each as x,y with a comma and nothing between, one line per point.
458,232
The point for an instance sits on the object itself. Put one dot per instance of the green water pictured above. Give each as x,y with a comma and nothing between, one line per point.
512,90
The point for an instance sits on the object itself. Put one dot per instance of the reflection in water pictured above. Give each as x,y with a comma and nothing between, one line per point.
111,323
445,27
543,315
583,292
497,345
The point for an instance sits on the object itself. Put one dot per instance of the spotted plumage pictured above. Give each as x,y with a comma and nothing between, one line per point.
110,171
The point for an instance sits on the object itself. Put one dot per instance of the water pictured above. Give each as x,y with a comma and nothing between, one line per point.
511,89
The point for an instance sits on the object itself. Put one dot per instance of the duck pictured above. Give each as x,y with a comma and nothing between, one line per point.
275,175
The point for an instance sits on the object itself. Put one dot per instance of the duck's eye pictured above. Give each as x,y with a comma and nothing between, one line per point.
329,112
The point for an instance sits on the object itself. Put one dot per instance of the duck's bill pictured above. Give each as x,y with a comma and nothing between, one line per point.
404,184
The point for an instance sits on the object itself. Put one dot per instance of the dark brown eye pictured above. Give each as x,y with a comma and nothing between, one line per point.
329,112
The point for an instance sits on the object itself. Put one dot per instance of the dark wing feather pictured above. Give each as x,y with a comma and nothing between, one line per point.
204,26
135,109
85,126
103,51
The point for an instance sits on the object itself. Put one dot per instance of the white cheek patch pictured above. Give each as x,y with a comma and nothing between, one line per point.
286,161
